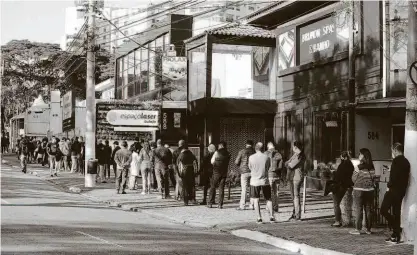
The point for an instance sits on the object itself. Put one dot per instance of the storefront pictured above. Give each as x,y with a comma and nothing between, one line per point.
312,80
228,87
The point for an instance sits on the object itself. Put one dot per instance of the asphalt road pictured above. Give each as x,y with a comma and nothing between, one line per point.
39,218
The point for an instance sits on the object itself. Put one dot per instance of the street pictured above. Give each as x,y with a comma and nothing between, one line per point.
38,218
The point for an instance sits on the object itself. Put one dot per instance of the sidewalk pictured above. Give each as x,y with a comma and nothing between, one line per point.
318,237
317,206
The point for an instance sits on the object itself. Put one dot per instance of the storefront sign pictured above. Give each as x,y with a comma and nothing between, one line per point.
174,68
165,121
322,39
133,117
68,111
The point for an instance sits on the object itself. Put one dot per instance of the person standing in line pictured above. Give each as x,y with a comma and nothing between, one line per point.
134,168
259,164
101,160
343,181
163,158
52,151
363,191
397,187
44,147
220,162
63,146
187,168
179,184
7,143
274,173
172,175
40,153
3,143
295,176
23,152
207,171
116,147
81,156
242,161
107,159
75,152
123,158
154,183
146,161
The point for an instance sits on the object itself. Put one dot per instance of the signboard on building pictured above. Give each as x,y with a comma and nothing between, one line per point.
133,118
68,111
175,68
322,39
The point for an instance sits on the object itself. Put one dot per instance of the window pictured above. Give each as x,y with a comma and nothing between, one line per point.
229,18
251,8
105,37
238,8
237,17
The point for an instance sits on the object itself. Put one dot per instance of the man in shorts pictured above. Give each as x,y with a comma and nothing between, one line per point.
259,165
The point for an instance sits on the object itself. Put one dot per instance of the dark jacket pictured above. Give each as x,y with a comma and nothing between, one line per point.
399,175
75,148
221,162
276,163
175,155
163,158
113,153
242,159
107,154
343,174
188,162
100,154
206,166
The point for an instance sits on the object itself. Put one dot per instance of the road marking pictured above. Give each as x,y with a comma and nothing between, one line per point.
4,201
98,238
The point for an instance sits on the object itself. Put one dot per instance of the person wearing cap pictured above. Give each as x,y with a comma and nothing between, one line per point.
241,161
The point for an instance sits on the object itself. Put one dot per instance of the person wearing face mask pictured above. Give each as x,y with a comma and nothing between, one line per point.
363,191
274,173
242,161
295,177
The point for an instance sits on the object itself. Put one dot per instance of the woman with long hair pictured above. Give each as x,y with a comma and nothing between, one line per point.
146,158
363,191
343,181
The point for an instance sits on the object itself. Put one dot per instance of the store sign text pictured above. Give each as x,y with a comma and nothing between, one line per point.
133,117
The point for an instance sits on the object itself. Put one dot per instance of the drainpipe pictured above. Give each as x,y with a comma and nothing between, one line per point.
352,82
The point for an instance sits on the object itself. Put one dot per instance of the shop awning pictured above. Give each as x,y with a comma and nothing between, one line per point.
388,102
20,116
224,106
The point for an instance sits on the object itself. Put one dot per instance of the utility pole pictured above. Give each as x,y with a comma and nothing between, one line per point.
409,210
90,119
351,83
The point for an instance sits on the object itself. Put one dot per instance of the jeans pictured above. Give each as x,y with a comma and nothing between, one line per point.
188,183
100,172
363,200
274,182
74,163
295,187
394,201
107,171
162,176
146,179
121,179
206,182
337,198
244,183
172,177
65,161
217,180
52,163
23,162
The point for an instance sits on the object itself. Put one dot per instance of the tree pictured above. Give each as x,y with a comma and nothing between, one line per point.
31,69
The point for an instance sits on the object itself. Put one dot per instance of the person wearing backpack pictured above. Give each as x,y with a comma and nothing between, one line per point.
274,173
187,169
242,161
52,151
23,152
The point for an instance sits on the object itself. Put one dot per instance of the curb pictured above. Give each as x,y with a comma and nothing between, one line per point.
283,244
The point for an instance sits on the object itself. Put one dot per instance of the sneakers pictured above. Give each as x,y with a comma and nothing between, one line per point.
209,206
355,232
337,224
143,193
393,240
203,203
368,232
220,206
272,219
259,221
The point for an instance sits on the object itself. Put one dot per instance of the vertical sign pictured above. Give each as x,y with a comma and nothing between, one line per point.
177,120
68,116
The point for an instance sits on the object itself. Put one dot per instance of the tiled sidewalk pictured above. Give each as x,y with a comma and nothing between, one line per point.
320,234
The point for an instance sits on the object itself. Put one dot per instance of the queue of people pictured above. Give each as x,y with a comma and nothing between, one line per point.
361,179
260,172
